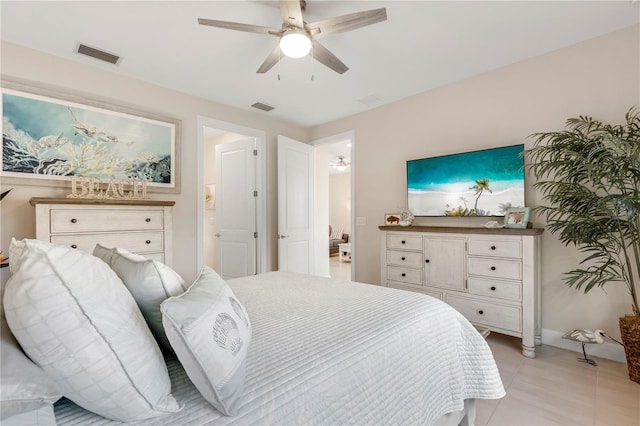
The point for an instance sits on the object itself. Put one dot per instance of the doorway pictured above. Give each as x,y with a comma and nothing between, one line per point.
211,134
338,154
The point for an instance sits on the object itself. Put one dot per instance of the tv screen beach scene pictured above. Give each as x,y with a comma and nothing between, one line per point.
478,183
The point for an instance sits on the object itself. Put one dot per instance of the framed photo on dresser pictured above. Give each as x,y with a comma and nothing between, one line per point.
517,217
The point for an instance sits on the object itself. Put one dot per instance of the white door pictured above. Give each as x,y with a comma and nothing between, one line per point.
236,208
295,206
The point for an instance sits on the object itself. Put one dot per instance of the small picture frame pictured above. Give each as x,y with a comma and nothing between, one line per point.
392,219
517,217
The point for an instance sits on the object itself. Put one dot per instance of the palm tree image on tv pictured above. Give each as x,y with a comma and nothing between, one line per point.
445,186
480,186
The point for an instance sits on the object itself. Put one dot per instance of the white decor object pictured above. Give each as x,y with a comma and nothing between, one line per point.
210,332
139,226
149,281
89,188
491,276
75,319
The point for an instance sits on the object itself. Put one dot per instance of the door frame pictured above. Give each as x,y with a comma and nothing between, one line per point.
262,254
351,135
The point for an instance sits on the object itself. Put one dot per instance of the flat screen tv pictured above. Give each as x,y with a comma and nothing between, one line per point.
478,183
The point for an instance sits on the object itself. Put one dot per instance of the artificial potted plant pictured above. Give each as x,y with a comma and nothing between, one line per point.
589,175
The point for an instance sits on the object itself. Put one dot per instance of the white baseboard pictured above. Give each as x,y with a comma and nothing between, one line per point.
608,350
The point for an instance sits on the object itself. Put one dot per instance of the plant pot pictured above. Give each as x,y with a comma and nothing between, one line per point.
630,332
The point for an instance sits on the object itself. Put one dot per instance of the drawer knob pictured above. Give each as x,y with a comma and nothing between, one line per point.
74,220
426,261
74,246
403,241
493,288
148,241
403,258
493,268
493,247
481,312
148,219
404,275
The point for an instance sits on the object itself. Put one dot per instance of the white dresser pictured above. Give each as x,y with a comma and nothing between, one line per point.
139,226
491,276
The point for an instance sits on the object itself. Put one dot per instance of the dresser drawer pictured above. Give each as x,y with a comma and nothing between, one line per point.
135,242
510,248
424,290
405,275
487,313
97,220
509,290
404,242
403,258
495,268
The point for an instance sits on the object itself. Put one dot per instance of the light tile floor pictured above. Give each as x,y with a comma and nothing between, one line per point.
556,389
339,270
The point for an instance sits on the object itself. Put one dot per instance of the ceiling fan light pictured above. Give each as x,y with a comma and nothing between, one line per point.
295,44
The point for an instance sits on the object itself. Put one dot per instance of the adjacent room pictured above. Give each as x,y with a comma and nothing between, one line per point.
320,212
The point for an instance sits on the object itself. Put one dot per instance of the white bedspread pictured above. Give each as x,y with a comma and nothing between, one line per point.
333,353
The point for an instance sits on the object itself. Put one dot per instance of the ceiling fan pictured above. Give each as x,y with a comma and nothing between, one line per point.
298,38
340,165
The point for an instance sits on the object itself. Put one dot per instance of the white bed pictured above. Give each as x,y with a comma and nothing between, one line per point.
332,352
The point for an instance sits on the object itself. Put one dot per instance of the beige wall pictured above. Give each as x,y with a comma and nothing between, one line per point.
340,201
600,77
28,65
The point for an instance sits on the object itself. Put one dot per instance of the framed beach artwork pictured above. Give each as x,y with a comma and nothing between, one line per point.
50,137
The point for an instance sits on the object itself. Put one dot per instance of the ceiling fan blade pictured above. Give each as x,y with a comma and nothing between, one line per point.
325,57
291,12
248,28
271,60
343,23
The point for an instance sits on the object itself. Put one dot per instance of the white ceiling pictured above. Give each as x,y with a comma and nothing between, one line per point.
422,45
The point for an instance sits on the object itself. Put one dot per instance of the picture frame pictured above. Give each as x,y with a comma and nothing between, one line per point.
517,217
210,196
392,219
51,137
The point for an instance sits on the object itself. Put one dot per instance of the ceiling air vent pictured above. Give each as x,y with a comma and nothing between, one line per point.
263,107
83,49
370,100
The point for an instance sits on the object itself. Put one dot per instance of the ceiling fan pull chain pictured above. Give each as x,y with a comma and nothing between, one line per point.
311,64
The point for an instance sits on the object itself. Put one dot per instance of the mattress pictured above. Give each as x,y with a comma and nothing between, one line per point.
329,352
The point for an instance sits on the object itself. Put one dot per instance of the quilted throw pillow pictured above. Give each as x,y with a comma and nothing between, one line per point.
149,281
25,390
76,320
210,332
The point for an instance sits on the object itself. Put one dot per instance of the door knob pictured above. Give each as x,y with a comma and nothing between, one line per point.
282,236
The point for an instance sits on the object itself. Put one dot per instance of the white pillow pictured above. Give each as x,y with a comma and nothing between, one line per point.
149,281
75,319
26,392
43,416
336,234
210,331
